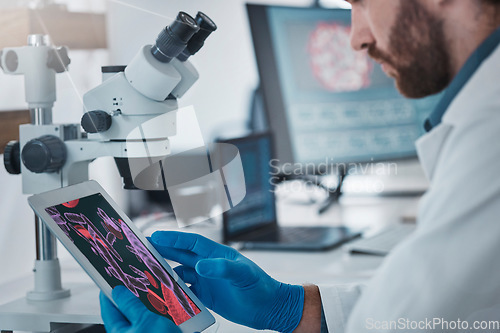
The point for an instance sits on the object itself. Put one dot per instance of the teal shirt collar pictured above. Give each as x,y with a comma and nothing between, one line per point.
471,65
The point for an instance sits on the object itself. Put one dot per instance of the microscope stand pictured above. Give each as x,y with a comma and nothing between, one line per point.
82,307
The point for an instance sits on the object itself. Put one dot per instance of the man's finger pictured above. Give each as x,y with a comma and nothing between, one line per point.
113,319
190,276
187,274
197,244
130,305
181,256
239,273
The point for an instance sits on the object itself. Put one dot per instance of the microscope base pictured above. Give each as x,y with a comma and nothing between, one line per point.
82,307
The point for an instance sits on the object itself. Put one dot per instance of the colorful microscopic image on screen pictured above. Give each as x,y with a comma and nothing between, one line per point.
120,257
334,64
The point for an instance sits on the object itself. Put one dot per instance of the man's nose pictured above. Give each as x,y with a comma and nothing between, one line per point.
361,35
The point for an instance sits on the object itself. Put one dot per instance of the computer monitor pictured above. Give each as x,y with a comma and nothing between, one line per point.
253,222
326,103
257,209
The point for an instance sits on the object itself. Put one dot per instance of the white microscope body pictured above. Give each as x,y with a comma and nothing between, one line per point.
130,117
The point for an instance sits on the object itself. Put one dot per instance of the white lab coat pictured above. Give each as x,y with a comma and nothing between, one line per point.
450,267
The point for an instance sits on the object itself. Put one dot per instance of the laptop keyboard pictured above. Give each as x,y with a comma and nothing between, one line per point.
293,235
382,243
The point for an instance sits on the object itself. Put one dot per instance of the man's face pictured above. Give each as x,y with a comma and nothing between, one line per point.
407,39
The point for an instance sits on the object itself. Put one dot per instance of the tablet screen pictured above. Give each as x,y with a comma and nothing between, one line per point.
120,257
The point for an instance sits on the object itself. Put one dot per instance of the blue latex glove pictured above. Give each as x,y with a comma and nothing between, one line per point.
231,284
132,316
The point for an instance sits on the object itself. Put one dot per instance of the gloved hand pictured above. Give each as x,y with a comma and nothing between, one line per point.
132,316
231,284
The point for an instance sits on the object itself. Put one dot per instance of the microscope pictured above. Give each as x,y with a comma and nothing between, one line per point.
130,117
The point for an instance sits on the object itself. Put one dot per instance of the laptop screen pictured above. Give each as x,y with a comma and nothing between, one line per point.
257,209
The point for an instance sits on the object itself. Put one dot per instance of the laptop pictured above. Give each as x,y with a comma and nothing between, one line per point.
252,223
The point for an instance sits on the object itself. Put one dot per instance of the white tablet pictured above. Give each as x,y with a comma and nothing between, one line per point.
114,252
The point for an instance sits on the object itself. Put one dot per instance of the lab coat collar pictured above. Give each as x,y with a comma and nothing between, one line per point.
429,148
461,112
463,76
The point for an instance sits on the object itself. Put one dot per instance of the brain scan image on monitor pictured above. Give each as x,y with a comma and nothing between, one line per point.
336,66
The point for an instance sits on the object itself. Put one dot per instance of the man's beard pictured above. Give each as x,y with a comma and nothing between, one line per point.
417,52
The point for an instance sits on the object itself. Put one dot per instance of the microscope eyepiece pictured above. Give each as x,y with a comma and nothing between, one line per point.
207,26
184,27
205,23
174,38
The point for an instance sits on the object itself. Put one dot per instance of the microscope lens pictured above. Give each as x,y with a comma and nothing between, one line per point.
173,39
184,27
207,26
205,22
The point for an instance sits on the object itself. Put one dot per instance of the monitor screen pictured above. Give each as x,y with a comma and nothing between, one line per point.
257,209
325,102
120,257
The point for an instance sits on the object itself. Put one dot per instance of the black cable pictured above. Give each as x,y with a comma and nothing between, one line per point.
333,197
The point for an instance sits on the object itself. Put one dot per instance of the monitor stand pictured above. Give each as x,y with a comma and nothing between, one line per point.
333,194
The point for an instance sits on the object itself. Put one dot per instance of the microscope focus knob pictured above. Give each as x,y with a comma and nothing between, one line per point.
58,59
45,154
12,158
96,121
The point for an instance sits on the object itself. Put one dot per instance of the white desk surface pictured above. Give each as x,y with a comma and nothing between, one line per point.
330,267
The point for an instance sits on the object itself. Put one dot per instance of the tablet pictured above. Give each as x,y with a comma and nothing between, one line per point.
108,246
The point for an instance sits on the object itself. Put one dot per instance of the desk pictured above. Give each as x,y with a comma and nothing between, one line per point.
331,267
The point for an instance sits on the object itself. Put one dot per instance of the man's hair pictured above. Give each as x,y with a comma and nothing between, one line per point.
494,6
